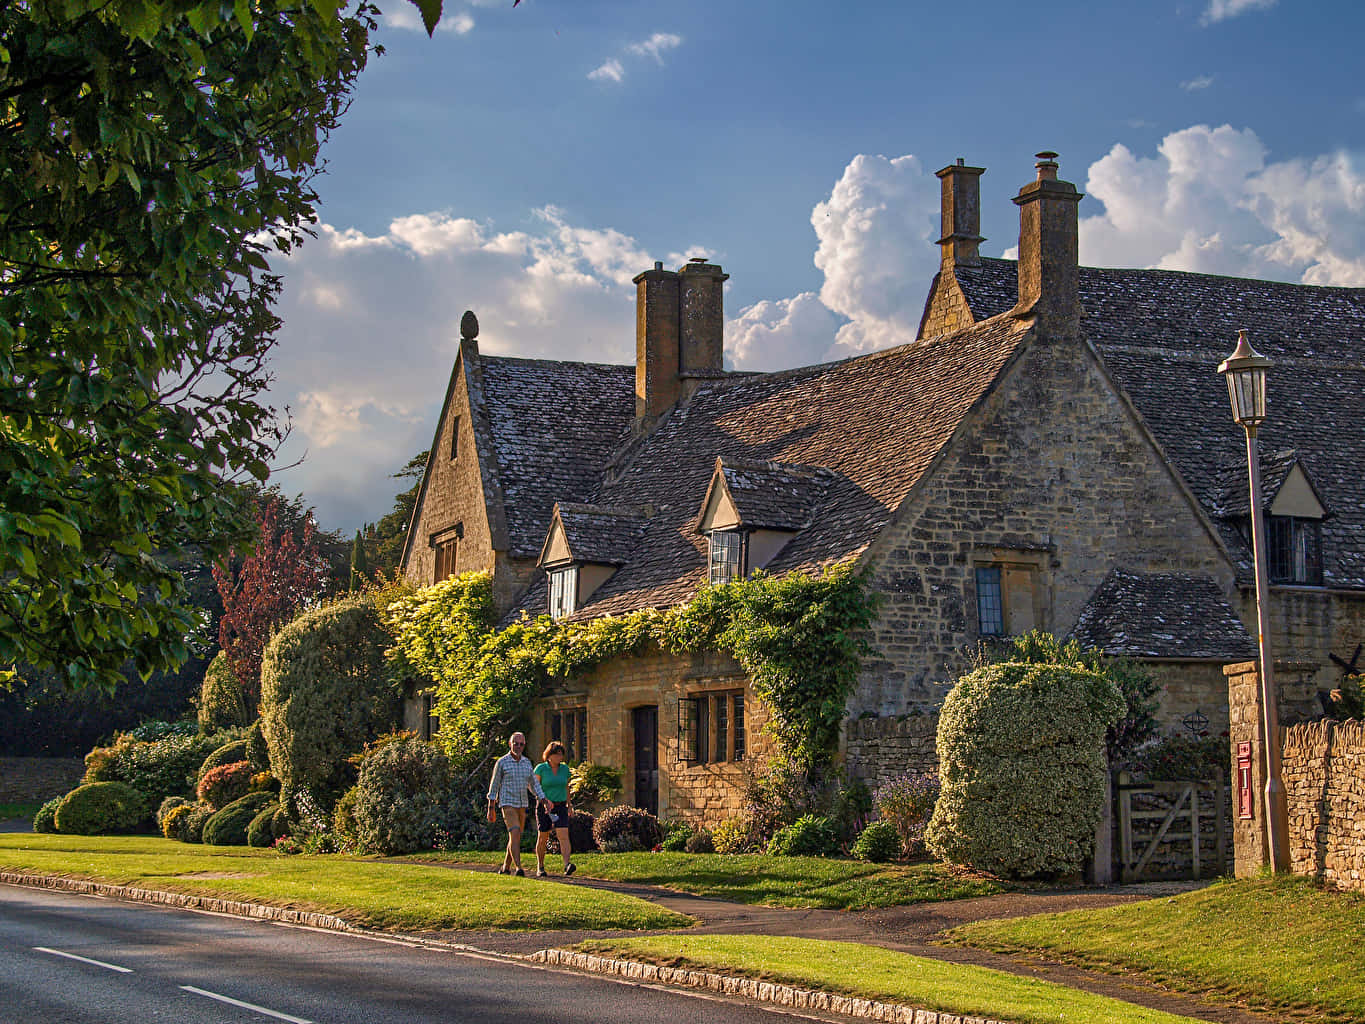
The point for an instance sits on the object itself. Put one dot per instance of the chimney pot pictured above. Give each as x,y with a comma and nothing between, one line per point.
658,264
1046,165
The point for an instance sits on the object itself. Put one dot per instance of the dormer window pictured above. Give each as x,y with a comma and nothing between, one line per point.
1295,550
727,556
563,592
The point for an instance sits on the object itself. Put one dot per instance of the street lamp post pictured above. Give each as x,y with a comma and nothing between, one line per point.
1245,371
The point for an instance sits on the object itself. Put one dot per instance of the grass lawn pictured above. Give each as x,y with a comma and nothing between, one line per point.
804,882
372,894
874,973
1280,943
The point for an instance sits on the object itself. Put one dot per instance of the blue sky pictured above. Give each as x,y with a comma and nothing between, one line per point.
527,162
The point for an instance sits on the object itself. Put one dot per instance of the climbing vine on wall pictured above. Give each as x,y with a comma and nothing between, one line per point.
798,637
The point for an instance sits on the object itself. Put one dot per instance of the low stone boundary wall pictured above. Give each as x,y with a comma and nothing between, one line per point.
26,780
879,748
751,988
1323,768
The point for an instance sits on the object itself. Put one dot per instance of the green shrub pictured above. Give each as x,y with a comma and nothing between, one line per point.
228,753
676,840
225,784
168,805
45,820
733,836
101,808
157,768
401,797
101,765
626,842
907,802
595,785
808,836
261,832
228,826
325,693
1177,758
619,821
257,752
190,828
174,822
343,820
221,703
1021,752
878,843
700,842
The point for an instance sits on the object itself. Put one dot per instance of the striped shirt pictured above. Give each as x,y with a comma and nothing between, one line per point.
512,777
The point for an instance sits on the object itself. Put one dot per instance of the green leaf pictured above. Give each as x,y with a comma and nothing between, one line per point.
431,14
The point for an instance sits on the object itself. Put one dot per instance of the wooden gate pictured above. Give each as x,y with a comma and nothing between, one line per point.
1166,829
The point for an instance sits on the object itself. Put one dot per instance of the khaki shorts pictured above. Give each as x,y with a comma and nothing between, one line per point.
514,818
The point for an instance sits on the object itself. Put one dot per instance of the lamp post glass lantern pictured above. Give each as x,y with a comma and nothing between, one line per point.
1245,371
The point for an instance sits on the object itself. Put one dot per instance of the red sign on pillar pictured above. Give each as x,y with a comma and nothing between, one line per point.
1245,798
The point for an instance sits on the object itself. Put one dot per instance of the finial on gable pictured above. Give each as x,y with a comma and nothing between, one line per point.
469,326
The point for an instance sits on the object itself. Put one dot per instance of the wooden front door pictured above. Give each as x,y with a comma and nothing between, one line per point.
646,728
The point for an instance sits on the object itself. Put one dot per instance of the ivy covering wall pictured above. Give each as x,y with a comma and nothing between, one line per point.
798,637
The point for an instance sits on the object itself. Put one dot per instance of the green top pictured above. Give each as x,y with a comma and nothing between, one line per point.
555,784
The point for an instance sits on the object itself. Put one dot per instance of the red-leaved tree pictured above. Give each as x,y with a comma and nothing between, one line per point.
278,577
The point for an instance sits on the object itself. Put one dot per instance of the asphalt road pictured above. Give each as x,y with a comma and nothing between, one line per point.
67,958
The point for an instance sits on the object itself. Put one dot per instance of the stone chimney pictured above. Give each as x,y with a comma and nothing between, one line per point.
961,210
679,321
1048,265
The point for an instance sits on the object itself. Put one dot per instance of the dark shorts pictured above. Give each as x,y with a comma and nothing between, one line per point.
561,817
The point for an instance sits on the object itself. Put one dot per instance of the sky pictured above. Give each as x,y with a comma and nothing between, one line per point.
527,162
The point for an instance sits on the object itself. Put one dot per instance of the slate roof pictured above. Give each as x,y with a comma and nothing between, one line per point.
873,423
1232,496
1162,334
773,495
600,534
1162,615
554,426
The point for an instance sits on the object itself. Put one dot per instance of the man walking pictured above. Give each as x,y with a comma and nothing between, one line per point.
513,775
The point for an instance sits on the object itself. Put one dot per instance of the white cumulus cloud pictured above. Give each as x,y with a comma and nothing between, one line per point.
655,45
1221,10
1197,83
406,18
610,70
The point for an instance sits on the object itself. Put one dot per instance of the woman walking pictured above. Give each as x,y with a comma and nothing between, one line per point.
554,781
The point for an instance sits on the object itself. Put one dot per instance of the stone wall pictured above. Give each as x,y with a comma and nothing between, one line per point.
875,749
946,309
700,793
25,780
1324,782
1187,687
1055,478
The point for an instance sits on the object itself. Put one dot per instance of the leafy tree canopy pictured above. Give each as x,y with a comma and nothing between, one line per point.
151,154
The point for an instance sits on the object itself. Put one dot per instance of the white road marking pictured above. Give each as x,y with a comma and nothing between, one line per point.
85,960
245,1006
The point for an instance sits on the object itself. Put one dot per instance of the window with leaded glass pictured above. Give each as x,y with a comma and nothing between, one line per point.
990,608
570,727
1295,550
563,592
727,556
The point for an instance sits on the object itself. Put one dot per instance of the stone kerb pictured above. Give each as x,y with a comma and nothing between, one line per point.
753,989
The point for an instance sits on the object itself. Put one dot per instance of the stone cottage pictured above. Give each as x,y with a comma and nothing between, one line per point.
1054,451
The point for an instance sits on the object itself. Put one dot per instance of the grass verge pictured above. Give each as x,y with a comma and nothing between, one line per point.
874,973
1277,943
818,883
371,894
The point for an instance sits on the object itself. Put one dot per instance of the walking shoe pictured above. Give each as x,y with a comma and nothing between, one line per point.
520,873
570,870
504,870
542,874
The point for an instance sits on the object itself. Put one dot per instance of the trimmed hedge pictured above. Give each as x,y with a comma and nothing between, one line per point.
261,832
45,820
617,822
1022,761
221,702
228,827
228,753
101,808
325,693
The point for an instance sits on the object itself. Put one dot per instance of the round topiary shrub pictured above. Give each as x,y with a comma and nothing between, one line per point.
101,808
619,821
45,820
257,752
810,835
878,843
401,797
222,785
700,842
261,832
221,703
168,805
1021,756
228,826
325,693
228,753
